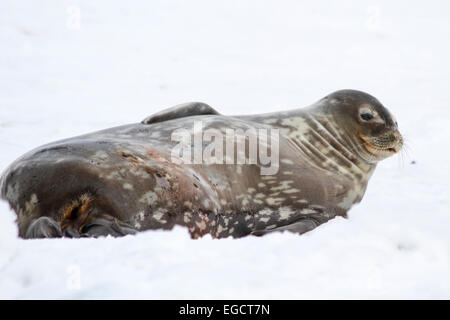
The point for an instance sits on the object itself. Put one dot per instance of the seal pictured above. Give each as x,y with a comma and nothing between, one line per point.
127,179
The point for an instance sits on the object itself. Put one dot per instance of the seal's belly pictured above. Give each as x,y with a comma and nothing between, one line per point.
224,200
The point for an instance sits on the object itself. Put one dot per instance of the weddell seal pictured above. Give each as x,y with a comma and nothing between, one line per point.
312,164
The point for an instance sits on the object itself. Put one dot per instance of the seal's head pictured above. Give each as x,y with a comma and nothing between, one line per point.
372,129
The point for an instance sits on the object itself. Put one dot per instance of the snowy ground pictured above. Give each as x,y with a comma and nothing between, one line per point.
60,76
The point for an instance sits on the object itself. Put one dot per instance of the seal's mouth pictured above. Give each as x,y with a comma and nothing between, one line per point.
376,149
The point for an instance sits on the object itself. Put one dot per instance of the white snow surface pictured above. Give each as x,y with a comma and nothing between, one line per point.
122,61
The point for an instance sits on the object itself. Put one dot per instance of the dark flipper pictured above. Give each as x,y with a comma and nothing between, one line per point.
181,111
83,219
103,227
44,227
299,227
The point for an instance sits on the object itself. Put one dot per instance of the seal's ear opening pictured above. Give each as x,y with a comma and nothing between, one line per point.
76,214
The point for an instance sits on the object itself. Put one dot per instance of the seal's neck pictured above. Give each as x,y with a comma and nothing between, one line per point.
322,143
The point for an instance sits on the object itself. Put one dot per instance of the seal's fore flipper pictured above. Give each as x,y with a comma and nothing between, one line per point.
181,111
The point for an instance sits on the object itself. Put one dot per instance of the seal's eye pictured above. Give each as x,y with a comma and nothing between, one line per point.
366,116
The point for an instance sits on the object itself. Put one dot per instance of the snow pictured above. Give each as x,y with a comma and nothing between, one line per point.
62,77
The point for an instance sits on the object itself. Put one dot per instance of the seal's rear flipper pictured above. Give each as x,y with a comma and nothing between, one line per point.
43,227
76,215
82,219
181,111
102,227
299,227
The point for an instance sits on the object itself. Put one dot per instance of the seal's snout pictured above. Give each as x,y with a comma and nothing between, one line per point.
384,145
397,143
391,141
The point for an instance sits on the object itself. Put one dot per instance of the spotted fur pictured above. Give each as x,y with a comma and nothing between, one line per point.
122,180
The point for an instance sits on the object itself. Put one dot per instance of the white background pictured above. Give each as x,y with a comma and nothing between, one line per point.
70,67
